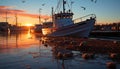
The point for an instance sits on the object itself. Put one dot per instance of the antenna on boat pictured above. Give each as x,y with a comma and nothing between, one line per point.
16,18
64,2
52,13
53,17
6,15
71,4
40,15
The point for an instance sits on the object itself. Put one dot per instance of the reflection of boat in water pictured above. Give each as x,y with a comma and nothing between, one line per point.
63,25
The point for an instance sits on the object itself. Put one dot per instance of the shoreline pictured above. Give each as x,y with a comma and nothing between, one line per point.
86,44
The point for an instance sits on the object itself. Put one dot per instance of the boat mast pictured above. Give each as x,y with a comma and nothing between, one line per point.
40,15
6,15
16,19
64,2
52,14
53,17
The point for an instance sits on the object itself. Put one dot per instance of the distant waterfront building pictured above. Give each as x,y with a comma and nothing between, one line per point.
108,27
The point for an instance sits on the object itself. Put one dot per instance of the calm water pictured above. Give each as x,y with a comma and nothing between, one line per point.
26,51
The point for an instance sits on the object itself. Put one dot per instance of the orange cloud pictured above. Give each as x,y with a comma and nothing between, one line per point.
23,16
34,15
4,7
7,9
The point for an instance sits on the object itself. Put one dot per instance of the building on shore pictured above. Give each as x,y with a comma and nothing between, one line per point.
115,27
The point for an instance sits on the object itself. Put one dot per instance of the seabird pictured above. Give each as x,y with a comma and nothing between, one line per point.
23,1
83,8
94,1
43,4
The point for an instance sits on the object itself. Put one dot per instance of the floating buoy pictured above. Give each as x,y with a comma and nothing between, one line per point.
114,42
28,66
63,54
91,55
83,43
113,55
88,55
111,65
67,55
59,55
85,56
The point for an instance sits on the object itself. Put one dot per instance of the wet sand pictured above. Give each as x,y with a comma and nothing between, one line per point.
86,44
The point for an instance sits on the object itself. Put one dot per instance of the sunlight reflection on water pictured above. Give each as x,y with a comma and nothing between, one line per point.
26,51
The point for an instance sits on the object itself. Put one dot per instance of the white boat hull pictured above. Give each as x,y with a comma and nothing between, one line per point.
81,29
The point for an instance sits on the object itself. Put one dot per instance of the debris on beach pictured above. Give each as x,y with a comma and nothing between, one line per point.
111,65
35,54
88,55
62,53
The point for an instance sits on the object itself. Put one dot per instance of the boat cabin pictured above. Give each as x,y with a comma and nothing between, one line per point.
62,19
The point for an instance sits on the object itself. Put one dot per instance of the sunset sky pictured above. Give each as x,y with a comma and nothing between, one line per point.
107,11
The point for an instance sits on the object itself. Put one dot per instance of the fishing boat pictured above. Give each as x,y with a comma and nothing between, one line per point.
4,27
38,28
15,28
64,25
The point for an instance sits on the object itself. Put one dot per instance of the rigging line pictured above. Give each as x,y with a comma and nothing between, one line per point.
68,4
57,6
71,3
60,6
58,9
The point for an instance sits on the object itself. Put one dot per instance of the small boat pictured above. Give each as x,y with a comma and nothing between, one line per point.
63,25
4,27
15,28
38,28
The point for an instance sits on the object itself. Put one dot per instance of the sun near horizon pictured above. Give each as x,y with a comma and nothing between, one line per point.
28,25
107,11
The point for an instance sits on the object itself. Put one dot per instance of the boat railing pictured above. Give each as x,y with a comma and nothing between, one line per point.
87,17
